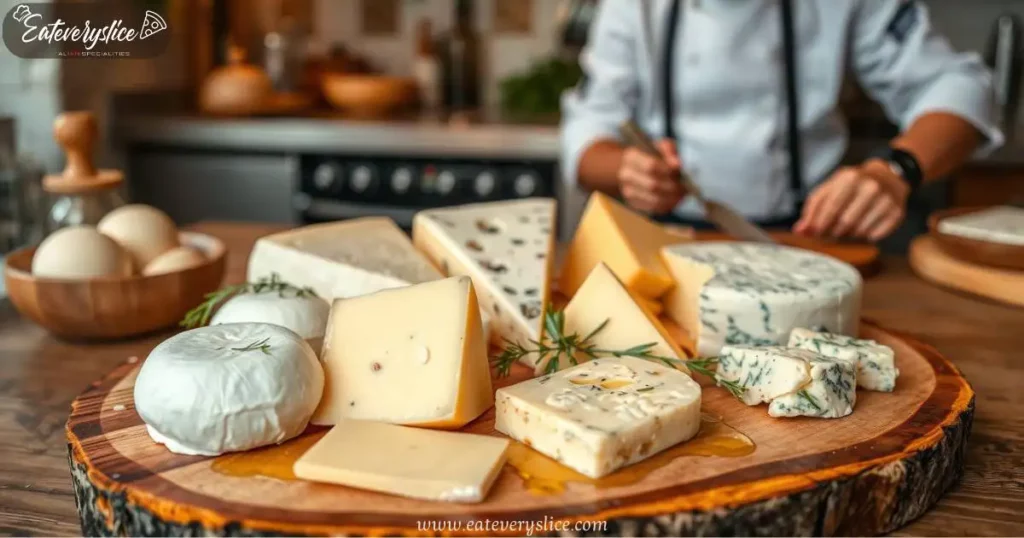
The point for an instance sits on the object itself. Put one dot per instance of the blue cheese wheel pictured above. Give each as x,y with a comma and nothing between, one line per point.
730,293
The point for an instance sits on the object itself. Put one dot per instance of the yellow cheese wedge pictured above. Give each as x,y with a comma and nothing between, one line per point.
601,298
627,242
413,355
423,464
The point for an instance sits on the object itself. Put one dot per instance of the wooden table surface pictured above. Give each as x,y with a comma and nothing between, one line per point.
39,376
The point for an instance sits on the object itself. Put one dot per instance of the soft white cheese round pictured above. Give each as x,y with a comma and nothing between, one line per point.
80,252
228,388
305,316
144,231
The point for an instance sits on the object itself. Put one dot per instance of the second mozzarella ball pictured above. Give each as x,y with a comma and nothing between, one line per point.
304,315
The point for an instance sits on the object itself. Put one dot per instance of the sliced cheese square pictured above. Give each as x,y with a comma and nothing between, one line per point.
876,364
625,241
413,355
604,300
732,293
507,248
601,415
411,462
342,259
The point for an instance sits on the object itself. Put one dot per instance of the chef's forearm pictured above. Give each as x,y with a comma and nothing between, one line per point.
941,142
599,166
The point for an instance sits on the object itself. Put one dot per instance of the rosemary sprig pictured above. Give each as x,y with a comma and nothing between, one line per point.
558,344
810,399
261,345
200,315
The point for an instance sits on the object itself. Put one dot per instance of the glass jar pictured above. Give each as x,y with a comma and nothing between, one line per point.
82,208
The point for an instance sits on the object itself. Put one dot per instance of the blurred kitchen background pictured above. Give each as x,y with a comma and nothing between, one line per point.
308,110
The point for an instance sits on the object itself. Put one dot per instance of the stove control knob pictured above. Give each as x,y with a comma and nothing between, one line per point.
525,184
484,184
401,180
327,177
446,182
362,179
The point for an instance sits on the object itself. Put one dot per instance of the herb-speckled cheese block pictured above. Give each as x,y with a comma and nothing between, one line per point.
507,248
601,415
831,393
754,294
876,364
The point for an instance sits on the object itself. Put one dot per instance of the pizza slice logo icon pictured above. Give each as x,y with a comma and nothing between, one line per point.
21,12
152,24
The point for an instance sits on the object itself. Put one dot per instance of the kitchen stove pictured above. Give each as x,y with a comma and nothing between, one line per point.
343,186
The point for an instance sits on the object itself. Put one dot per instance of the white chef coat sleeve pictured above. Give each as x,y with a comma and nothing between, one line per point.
911,70
608,93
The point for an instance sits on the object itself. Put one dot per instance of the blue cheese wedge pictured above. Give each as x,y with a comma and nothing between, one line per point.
831,393
601,415
876,364
765,373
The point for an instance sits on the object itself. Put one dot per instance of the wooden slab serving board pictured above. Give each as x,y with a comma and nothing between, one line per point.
933,263
864,474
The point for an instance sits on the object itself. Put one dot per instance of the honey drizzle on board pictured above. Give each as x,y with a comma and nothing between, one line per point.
272,462
542,475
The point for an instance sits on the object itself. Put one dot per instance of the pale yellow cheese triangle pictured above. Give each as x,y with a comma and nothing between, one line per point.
603,297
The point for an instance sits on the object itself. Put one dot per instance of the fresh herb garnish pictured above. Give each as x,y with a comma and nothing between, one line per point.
200,315
645,389
810,399
558,344
261,345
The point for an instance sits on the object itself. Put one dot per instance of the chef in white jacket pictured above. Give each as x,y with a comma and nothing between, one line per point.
714,80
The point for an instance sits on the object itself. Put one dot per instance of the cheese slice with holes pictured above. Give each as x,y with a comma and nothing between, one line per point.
507,248
625,241
413,355
411,462
604,300
601,415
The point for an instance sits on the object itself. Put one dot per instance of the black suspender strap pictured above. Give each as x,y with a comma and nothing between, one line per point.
792,95
668,69
796,172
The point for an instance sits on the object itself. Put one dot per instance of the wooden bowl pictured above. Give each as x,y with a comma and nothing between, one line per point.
976,251
111,308
368,95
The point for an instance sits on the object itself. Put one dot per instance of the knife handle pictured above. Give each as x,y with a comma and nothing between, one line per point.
636,137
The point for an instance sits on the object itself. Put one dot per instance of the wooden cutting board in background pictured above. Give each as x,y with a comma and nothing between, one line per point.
932,263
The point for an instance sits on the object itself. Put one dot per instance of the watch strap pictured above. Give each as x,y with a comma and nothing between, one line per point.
904,164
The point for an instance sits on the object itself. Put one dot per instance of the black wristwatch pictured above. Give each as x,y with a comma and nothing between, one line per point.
903,164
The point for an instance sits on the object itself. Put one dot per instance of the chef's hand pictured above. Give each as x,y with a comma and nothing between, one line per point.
647,183
864,202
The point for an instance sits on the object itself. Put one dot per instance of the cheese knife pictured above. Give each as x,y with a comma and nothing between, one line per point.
722,216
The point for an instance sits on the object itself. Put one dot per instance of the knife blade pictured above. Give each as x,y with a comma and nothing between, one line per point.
722,216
